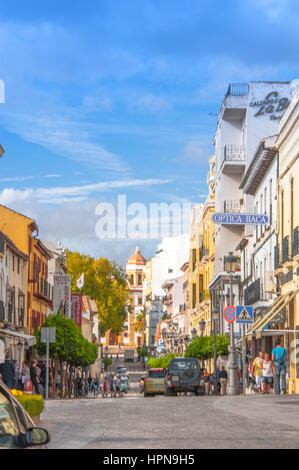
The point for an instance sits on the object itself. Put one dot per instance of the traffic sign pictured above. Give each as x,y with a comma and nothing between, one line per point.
244,314
48,334
229,314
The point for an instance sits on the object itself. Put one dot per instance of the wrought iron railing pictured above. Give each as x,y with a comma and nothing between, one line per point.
285,249
234,153
235,206
295,241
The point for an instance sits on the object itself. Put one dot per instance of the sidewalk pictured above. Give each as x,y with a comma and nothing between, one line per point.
276,409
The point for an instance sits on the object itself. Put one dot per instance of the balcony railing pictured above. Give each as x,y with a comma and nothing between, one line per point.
253,292
234,153
204,295
203,253
235,206
285,249
2,311
238,89
276,257
295,241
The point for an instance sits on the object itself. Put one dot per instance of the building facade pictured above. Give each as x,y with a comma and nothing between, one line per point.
249,112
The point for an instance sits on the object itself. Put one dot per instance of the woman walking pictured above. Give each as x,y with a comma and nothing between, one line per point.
268,371
105,385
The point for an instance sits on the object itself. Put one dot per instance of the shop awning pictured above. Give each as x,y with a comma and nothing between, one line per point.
7,332
279,304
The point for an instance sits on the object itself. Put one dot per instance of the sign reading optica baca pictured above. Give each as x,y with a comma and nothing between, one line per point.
271,105
239,219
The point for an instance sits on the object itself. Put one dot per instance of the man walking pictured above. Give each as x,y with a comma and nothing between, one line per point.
280,358
223,380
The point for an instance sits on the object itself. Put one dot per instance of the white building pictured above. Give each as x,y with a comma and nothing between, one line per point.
249,112
257,251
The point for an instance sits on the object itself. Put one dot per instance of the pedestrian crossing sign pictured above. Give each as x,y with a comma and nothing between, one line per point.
244,314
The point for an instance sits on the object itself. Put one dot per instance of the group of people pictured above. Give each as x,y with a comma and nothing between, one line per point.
112,385
14,376
263,370
221,381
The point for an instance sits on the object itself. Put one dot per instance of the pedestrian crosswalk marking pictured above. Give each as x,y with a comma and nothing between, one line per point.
244,315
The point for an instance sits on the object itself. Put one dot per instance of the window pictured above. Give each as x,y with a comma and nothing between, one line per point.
131,279
18,265
193,295
13,262
139,300
139,279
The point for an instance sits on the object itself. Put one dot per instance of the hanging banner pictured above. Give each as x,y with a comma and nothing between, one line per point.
77,309
62,294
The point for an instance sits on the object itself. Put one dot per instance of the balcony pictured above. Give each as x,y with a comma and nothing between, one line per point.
203,254
204,295
237,89
253,292
285,250
234,159
276,258
234,206
295,242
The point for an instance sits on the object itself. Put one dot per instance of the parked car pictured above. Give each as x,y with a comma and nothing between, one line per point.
141,384
184,375
17,430
154,382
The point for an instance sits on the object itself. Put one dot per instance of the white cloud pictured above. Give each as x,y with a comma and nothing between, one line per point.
195,151
60,195
152,103
272,9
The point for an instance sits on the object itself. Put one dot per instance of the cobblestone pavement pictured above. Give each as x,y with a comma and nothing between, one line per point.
184,422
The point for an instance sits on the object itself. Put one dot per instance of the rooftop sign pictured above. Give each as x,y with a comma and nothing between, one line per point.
239,219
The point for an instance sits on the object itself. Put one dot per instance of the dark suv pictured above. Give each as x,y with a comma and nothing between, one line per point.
184,375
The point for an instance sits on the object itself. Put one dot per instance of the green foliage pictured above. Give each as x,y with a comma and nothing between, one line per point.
107,362
203,347
33,404
70,345
160,362
104,281
142,352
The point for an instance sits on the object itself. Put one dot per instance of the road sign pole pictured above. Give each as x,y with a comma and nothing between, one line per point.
47,370
244,360
233,387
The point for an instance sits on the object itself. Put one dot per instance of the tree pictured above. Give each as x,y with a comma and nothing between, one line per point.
203,347
139,321
70,346
104,281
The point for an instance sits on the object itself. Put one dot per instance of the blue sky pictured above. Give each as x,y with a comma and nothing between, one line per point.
120,97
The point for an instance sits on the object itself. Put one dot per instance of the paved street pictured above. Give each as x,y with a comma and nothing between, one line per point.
173,422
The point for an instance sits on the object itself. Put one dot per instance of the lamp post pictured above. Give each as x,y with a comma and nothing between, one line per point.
215,318
233,387
193,334
186,341
202,325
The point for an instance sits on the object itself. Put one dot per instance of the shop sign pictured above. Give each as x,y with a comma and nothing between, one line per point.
271,106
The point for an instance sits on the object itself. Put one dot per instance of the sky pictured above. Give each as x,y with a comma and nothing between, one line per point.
107,98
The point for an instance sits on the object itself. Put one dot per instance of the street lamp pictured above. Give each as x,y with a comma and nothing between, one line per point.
202,325
186,341
233,387
193,334
215,318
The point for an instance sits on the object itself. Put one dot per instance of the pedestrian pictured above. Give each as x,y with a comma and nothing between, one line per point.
18,376
34,376
58,384
25,373
223,380
257,370
7,370
218,381
206,378
89,380
268,371
117,386
110,384
95,386
280,358
250,376
105,385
